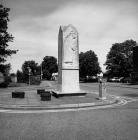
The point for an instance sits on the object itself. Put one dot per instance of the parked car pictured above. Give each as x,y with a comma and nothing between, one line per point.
116,79
126,80
82,79
91,79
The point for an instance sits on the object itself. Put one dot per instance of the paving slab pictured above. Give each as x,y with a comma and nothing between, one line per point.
32,100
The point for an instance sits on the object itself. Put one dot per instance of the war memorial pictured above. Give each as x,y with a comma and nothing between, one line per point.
67,85
67,109
68,62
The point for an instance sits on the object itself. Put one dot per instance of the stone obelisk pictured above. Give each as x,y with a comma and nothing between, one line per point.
68,61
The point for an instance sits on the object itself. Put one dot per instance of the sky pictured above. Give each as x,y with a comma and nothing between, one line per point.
100,23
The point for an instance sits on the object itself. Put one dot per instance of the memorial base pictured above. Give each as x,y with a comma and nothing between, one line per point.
58,94
39,91
18,94
102,98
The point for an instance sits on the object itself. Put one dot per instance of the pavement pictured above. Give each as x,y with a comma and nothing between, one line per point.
117,122
123,85
32,100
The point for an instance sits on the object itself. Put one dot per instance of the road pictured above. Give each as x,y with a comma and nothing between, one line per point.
115,123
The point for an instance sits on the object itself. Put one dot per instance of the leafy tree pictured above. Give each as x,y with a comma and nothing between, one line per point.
34,69
32,65
49,66
88,63
5,37
120,59
20,78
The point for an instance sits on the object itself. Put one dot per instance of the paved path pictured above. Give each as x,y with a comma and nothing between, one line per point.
33,102
114,123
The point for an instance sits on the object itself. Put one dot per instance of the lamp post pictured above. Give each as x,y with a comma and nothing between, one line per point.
29,70
41,71
101,92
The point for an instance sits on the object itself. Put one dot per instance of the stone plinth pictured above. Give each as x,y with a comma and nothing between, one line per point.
68,61
18,94
45,96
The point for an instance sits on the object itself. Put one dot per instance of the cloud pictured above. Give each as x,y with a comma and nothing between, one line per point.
27,8
99,25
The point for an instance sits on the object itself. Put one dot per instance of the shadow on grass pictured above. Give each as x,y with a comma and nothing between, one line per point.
133,83
125,85
131,95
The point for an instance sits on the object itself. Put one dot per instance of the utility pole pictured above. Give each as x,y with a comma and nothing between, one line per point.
29,70
41,72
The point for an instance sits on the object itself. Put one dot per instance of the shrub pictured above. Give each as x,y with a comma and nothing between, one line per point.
3,85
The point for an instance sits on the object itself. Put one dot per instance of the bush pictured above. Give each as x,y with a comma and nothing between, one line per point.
7,79
6,82
13,85
35,80
3,85
127,80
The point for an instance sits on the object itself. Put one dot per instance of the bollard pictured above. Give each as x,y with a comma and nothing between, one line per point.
102,89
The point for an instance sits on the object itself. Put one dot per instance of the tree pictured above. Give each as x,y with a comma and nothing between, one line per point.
20,78
88,63
5,37
34,70
120,59
49,66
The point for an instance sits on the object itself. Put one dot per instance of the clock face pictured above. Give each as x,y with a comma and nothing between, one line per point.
70,52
